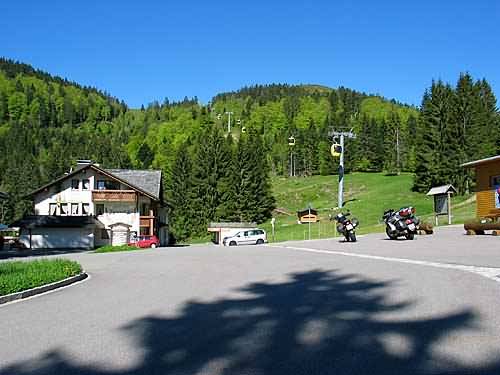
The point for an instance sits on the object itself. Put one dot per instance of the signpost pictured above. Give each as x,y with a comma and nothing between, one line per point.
309,208
442,201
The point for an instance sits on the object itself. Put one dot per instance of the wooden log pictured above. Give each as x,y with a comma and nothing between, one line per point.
426,228
481,227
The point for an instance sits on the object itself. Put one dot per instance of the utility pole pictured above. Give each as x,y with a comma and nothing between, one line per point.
291,143
397,150
341,136
229,122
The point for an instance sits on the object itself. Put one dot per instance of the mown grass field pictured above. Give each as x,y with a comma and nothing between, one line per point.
366,195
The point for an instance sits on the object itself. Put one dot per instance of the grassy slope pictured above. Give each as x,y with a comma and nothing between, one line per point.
367,195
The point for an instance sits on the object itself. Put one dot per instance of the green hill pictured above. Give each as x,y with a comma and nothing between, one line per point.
367,195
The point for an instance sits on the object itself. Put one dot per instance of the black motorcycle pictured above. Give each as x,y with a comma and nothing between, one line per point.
346,226
402,223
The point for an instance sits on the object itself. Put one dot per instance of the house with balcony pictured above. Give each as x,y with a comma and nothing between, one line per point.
91,206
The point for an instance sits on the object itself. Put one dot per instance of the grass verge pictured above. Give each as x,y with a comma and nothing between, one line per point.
16,276
112,249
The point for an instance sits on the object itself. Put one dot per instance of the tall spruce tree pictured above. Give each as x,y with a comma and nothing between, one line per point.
179,188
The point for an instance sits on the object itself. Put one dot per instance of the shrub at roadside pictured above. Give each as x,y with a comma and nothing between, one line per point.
18,276
110,248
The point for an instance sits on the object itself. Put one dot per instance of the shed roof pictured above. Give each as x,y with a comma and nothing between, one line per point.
481,161
232,225
51,221
444,189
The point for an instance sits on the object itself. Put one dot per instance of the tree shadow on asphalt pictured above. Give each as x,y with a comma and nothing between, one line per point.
317,322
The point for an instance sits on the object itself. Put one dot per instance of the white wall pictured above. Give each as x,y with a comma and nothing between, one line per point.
58,238
63,193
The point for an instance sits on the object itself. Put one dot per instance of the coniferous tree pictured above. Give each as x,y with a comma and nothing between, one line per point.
179,188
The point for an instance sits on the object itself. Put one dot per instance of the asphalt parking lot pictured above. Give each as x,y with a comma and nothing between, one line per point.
308,307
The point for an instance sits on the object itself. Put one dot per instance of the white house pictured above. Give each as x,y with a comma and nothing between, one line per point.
92,206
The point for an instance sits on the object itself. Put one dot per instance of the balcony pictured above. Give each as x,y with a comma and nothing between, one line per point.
147,224
114,195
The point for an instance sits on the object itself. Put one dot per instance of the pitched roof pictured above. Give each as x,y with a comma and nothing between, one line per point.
306,212
444,189
147,180
481,161
50,221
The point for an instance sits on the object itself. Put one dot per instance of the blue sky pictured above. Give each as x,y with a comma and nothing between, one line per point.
142,51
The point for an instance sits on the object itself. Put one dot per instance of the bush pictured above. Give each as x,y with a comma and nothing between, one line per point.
18,276
111,249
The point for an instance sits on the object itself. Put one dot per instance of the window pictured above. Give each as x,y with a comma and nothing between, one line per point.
52,208
75,184
107,185
86,184
64,208
495,181
99,209
86,208
75,209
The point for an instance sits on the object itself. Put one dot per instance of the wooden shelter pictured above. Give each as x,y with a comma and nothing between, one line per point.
308,216
487,186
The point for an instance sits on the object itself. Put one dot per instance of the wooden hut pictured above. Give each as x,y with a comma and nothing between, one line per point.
487,186
308,216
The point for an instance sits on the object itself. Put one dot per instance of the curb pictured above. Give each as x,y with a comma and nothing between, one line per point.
42,289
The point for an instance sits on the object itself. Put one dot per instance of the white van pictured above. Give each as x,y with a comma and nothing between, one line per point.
246,237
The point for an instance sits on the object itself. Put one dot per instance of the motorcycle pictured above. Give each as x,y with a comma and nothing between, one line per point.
346,226
402,223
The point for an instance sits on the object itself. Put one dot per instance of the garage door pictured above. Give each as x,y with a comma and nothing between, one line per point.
65,238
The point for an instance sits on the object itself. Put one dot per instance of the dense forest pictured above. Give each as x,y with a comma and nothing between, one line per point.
47,122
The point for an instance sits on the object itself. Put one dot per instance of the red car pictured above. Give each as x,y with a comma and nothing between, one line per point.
145,241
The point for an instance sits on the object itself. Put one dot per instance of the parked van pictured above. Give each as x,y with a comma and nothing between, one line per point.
246,237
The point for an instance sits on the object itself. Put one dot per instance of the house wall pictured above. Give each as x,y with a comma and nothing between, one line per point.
58,238
485,194
120,212
63,193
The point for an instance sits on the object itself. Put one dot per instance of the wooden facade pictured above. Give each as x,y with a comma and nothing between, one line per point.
114,196
487,179
485,195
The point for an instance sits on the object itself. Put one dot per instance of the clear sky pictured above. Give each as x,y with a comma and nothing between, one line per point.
142,51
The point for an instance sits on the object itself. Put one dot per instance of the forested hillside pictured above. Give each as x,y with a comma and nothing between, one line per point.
47,122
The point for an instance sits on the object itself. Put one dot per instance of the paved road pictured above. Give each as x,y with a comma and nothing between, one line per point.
266,310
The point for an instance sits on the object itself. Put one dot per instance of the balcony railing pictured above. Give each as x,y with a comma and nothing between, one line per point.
114,195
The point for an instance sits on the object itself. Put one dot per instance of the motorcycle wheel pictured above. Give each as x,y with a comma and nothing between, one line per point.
352,235
410,236
391,236
346,236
